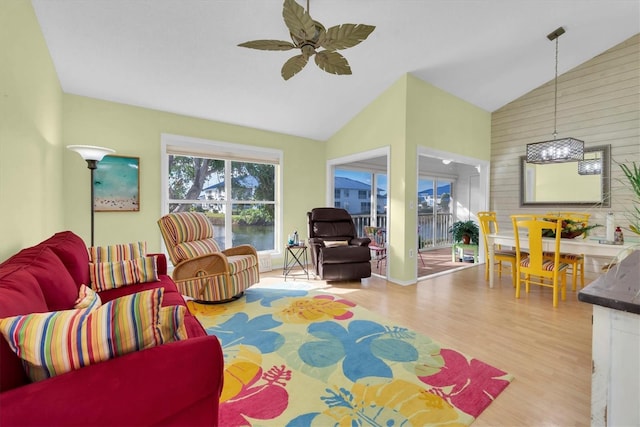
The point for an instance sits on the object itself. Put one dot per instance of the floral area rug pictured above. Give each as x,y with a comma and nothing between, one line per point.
307,358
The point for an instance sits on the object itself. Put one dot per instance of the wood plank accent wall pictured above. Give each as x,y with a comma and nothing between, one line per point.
598,102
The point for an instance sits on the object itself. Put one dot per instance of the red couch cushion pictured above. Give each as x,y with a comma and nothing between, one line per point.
58,287
19,294
73,253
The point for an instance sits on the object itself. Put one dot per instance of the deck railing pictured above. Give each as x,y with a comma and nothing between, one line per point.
433,229
362,221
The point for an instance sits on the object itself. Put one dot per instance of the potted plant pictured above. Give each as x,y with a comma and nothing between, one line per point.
632,173
465,232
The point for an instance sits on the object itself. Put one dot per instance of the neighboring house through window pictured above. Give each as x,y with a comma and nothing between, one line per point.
235,185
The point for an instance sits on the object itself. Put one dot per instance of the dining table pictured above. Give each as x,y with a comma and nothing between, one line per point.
590,246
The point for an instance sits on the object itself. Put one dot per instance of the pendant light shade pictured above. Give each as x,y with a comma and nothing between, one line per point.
561,150
590,167
555,151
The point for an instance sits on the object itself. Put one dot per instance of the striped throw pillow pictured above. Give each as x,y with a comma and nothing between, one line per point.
87,298
147,269
172,323
50,344
120,252
111,275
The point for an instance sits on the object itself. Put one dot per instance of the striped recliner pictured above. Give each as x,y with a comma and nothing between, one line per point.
202,270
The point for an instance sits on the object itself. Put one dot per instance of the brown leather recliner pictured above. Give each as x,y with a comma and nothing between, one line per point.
337,253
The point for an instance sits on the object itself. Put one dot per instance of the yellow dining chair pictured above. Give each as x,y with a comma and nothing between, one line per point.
576,261
535,266
489,225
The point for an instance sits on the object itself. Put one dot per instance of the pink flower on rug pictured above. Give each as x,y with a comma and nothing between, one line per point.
470,385
264,397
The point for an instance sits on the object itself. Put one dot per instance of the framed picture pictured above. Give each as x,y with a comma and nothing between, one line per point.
116,184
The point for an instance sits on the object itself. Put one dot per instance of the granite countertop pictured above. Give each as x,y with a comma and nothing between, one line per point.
619,288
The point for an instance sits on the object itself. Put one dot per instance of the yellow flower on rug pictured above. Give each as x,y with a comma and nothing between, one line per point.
197,308
390,403
309,310
240,372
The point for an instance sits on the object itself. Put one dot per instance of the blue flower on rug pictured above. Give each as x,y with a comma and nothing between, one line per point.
267,296
363,348
239,329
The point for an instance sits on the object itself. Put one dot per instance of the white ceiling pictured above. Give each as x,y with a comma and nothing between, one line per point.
181,56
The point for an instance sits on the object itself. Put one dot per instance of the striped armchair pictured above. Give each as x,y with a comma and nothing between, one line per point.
202,270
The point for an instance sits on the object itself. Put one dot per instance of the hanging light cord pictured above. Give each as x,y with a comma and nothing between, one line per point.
555,105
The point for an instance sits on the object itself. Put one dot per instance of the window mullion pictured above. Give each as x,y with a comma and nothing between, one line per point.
228,218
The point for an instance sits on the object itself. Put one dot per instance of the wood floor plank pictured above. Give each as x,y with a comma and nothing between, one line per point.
547,350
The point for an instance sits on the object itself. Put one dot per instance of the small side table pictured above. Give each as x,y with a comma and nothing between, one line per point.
295,256
461,247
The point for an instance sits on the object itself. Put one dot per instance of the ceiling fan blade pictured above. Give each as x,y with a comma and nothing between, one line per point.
345,36
268,45
298,20
293,66
332,62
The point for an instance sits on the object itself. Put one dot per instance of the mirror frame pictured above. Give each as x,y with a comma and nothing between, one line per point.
605,200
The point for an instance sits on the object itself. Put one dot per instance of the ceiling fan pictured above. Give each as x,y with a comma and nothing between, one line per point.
309,36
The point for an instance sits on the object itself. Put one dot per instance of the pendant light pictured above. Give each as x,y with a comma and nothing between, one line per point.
561,150
590,166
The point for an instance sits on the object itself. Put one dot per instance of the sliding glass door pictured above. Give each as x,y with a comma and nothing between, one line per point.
363,194
434,212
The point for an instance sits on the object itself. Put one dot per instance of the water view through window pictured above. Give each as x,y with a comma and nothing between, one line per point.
237,197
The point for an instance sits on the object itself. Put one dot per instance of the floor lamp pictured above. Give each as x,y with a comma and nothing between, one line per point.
92,155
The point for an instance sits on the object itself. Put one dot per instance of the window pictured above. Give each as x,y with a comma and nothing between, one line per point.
363,194
236,186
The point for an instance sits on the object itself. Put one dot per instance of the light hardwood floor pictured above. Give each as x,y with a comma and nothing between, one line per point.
547,350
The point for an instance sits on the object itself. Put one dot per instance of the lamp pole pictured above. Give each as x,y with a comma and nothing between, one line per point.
92,155
92,165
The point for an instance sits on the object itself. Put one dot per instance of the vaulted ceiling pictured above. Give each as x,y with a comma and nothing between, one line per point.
181,56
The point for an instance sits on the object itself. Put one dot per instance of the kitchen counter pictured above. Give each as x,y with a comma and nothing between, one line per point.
615,346
619,288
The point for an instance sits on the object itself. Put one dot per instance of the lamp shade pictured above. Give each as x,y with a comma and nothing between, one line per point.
555,151
90,152
590,167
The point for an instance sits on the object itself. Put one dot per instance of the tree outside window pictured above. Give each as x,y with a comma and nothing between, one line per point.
203,185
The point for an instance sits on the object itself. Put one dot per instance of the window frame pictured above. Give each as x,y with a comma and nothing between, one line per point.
171,144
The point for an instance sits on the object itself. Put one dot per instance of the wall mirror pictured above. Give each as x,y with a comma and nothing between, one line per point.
563,184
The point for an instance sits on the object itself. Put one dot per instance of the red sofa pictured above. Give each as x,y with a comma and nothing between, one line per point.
178,383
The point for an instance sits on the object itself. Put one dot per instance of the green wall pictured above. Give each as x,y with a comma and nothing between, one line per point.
383,124
410,114
31,190
439,120
48,186
44,188
134,131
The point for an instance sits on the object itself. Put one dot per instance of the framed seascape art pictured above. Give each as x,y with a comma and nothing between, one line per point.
116,184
